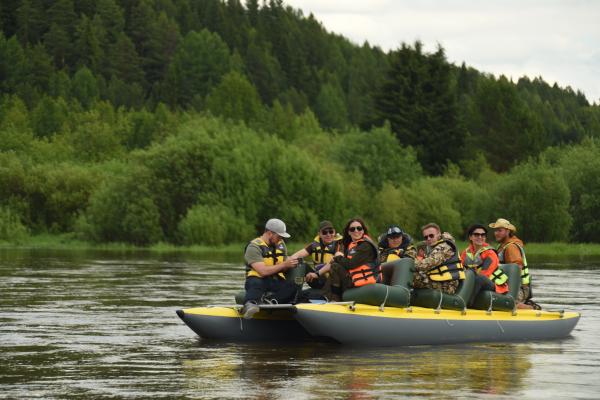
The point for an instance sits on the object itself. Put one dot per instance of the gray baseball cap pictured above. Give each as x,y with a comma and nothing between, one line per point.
277,226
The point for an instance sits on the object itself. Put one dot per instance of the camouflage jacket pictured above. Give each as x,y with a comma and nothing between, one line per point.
437,255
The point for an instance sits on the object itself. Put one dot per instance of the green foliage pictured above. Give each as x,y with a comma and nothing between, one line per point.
122,210
502,126
419,101
213,225
377,156
536,199
49,116
579,165
93,138
85,87
11,228
58,194
197,66
236,98
331,108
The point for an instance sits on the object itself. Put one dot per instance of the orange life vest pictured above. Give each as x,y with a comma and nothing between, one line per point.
365,274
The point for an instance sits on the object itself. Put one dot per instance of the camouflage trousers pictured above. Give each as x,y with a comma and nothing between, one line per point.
422,281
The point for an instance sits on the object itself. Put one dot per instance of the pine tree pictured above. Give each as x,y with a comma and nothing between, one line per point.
198,65
418,100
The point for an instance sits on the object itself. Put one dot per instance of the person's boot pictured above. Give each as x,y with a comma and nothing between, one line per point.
249,309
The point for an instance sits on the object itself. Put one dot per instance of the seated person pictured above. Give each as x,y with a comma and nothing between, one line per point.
439,268
266,261
395,244
356,265
511,251
321,250
482,258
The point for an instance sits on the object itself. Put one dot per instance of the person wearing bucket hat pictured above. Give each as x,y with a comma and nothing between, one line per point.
266,261
511,251
325,244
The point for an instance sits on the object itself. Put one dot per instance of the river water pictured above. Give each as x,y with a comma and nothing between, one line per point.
103,325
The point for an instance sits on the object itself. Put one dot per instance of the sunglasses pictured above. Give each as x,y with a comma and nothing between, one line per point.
478,234
430,236
355,228
327,232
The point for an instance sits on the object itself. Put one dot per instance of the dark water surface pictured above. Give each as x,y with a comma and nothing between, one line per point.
103,325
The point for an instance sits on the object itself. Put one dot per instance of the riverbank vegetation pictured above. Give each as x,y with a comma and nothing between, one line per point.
536,252
192,123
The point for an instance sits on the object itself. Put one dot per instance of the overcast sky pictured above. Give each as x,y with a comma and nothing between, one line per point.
558,40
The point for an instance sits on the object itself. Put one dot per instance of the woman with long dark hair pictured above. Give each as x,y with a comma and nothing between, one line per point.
356,265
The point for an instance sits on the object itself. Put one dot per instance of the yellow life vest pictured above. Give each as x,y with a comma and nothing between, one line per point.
474,261
450,270
323,253
525,278
271,256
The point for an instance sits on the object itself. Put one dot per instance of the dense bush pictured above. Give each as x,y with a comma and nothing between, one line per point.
213,225
377,156
123,210
536,199
579,165
12,229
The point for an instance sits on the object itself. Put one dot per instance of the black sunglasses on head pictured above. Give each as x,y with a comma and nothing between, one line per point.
394,231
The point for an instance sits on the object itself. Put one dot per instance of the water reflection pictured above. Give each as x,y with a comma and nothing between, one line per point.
333,371
102,324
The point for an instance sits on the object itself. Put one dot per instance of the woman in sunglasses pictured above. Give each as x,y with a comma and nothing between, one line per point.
356,265
482,258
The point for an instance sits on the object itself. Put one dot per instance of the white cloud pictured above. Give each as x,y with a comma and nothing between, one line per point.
556,39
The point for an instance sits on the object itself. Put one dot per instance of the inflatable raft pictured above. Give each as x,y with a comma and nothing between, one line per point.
372,326
391,314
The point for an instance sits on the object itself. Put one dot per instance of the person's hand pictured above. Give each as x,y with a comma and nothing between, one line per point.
338,253
311,276
290,263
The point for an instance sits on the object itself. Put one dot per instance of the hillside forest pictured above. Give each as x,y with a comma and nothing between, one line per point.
194,121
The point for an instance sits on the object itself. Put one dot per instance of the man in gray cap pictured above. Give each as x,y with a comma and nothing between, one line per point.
266,261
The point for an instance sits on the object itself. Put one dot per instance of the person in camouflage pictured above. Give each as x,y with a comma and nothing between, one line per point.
440,267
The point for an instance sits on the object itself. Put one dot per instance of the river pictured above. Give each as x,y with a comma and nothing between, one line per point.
76,324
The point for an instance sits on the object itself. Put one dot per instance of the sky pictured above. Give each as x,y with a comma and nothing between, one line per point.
558,40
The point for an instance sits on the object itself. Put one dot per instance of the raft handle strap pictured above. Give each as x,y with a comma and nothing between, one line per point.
439,307
382,305
489,310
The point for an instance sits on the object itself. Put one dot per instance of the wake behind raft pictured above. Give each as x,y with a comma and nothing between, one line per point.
389,315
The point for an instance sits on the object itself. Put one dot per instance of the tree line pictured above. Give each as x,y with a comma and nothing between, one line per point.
194,121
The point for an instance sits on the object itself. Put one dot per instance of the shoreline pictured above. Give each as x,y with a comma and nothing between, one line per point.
65,242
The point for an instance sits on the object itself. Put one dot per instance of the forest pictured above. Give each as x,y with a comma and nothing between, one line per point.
194,121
